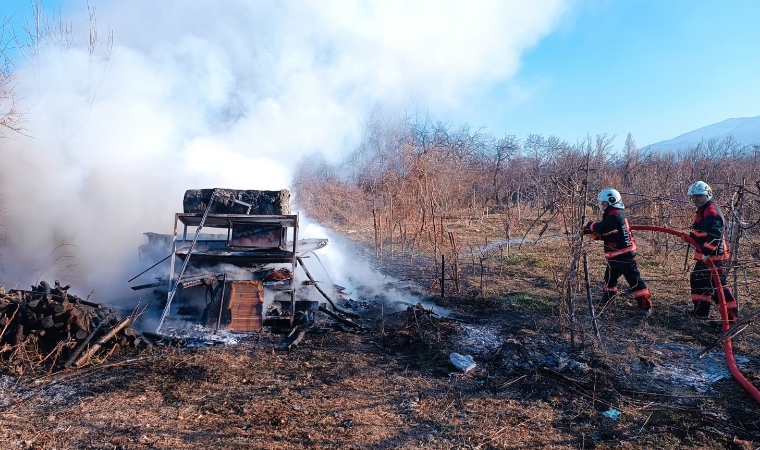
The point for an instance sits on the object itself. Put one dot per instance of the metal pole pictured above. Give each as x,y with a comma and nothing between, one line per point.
173,291
594,321
221,303
443,275
154,265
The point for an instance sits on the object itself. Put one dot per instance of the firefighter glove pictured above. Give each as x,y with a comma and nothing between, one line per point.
581,232
684,237
705,257
595,236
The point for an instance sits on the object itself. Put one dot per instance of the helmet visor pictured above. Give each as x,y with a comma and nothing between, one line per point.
698,200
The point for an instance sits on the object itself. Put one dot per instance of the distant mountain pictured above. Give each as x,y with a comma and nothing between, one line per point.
745,131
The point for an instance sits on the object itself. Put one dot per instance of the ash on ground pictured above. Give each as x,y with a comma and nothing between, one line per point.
199,336
479,340
683,367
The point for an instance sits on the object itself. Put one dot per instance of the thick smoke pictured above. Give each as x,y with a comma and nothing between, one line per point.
228,94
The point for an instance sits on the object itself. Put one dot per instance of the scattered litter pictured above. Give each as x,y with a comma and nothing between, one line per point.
612,414
465,363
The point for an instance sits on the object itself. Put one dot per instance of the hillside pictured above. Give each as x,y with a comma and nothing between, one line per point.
745,131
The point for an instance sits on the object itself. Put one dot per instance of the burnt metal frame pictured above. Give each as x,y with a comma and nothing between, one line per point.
251,256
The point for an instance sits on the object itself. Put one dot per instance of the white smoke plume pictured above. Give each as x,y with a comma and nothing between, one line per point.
217,94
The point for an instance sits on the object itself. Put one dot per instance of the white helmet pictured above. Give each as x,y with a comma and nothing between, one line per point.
611,196
700,188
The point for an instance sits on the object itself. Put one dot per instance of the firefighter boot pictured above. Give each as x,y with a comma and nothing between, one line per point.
607,296
701,310
645,305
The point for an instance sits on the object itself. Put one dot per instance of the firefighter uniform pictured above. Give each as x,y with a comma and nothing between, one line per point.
620,252
708,231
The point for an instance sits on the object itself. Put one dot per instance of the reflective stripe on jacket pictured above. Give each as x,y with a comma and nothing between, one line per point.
708,231
615,232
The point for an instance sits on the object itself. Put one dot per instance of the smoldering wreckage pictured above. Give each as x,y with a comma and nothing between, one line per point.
234,264
235,272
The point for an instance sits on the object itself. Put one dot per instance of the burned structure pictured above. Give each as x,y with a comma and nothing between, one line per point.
232,262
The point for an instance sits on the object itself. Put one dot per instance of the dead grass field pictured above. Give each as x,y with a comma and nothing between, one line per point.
393,386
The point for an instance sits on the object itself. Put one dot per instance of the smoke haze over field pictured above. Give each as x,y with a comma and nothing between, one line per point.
204,94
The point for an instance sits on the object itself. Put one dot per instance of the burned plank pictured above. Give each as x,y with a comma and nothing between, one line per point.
324,294
340,319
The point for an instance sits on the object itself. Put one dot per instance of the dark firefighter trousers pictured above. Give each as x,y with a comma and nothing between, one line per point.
626,267
703,292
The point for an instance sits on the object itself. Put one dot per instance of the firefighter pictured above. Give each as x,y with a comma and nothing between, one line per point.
708,231
619,250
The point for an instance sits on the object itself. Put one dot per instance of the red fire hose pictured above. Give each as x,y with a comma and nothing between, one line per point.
727,349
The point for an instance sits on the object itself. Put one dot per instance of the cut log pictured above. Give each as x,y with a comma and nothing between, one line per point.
80,334
19,338
262,202
47,322
103,340
86,303
142,341
84,343
49,318
80,319
66,308
70,298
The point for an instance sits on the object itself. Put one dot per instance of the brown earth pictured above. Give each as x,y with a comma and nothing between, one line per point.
393,386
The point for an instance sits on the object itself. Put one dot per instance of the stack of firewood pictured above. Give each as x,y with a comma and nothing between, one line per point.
48,321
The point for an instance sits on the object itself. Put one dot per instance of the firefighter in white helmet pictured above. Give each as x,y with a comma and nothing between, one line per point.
619,250
708,231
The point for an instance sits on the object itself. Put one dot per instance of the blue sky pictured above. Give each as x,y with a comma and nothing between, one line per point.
653,68
656,69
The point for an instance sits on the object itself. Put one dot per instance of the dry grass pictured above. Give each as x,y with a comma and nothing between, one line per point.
397,389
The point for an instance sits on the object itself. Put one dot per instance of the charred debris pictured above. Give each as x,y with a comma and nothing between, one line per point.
235,262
